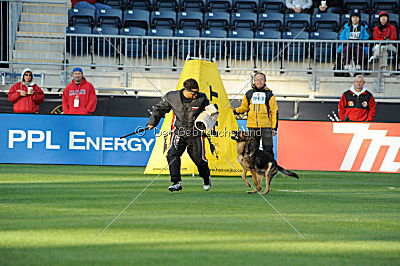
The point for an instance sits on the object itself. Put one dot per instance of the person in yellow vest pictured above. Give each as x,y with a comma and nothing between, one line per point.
262,116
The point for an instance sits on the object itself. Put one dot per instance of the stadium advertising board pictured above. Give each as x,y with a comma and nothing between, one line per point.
56,139
339,146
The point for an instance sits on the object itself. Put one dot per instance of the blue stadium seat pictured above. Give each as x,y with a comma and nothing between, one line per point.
245,6
190,20
217,20
326,22
136,18
324,51
163,19
115,4
139,4
268,50
81,16
166,5
361,5
219,5
188,46
77,45
296,21
295,51
390,6
393,18
109,17
103,46
346,17
272,21
214,48
244,20
272,5
241,50
193,5
132,47
160,48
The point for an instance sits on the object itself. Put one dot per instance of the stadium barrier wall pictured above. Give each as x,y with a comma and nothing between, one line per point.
66,139
339,146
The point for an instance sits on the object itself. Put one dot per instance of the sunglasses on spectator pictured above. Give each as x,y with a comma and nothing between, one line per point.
29,75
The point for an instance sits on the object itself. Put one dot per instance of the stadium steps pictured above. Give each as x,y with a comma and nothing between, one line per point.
40,38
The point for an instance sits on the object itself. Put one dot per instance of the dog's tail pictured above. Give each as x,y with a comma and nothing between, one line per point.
287,172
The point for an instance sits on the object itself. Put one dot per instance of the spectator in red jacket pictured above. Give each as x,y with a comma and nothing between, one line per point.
382,32
26,95
79,97
92,4
357,104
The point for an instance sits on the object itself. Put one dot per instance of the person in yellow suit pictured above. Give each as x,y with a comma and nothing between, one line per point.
262,116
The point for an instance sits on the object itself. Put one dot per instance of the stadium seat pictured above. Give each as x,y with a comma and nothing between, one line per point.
241,50
217,20
272,5
115,4
272,21
190,20
361,5
393,18
268,50
166,5
188,46
346,17
81,16
163,19
103,46
296,50
139,4
245,6
244,20
326,22
77,45
324,51
160,48
132,47
219,5
390,6
193,5
109,17
136,18
297,21
214,48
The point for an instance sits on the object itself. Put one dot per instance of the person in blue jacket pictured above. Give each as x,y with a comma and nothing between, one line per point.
354,29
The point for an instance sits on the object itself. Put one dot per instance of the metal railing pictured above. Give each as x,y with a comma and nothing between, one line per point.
231,54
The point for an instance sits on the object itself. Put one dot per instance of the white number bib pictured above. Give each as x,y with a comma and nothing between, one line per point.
258,98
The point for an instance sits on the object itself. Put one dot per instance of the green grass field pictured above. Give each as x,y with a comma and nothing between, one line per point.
50,215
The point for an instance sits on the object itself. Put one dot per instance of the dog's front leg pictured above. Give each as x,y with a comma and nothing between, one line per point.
255,181
246,182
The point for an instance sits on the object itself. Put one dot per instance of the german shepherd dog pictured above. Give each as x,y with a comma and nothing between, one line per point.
260,163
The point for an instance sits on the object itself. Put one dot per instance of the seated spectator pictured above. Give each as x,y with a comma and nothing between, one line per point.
383,31
357,104
79,97
92,4
331,6
353,55
26,95
298,6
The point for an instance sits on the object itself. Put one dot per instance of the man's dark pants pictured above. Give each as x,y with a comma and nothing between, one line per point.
264,134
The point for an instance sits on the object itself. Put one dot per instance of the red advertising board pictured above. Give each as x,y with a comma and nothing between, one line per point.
339,146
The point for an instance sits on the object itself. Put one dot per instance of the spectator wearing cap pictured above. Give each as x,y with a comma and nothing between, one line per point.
79,97
26,95
298,6
383,31
92,4
353,30
330,6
